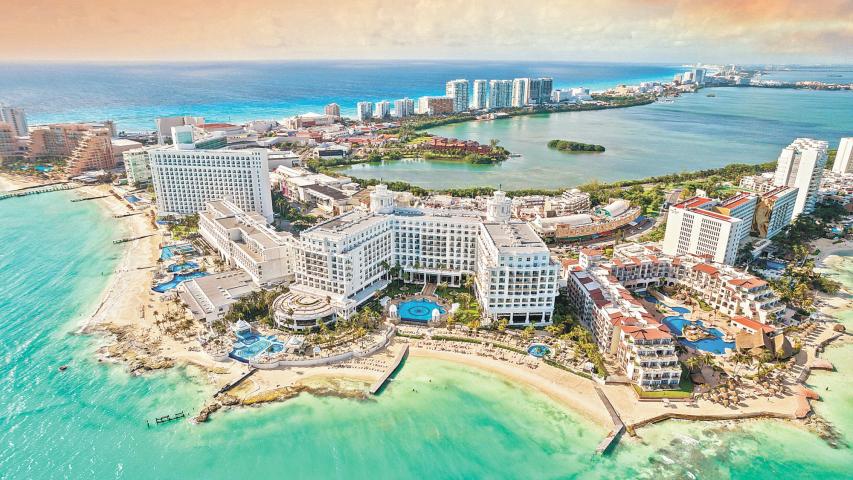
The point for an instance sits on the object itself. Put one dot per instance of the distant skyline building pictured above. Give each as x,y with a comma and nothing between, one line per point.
435,105
800,165
699,76
332,109
458,91
500,94
16,118
404,107
364,110
520,92
540,90
480,95
382,109
844,156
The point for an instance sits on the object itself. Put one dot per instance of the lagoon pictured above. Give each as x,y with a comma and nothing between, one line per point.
738,125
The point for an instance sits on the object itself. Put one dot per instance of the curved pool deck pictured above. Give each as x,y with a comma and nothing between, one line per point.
176,280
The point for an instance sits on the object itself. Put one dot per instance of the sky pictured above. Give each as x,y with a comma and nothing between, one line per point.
709,31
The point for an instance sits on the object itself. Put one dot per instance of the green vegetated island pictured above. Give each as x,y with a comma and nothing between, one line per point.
574,147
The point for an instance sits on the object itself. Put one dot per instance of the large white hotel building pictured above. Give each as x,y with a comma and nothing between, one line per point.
186,178
340,263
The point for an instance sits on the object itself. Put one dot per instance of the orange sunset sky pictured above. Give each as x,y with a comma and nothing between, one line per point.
730,31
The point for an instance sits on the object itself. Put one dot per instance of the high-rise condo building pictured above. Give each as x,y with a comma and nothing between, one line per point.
500,94
774,211
844,156
383,109
186,178
364,110
333,110
165,124
16,118
458,91
480,95
540,90
520,92
800,165
404,107
137,166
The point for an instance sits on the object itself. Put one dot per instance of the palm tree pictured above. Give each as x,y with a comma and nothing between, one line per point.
528,333
502,324
692,363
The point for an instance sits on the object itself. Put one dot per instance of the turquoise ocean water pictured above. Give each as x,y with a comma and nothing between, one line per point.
437,420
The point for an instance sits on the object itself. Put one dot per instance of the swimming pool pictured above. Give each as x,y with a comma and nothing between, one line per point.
676,324
250,346
419,310
538,350
714,345
168,252
180,267
132,198
176,280
774,265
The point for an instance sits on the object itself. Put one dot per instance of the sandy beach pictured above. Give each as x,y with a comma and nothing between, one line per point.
10,182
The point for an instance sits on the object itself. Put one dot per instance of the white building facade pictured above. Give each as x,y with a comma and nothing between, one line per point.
800,166
500,94
186,179
693,228
137,166
844,156
458,91
479,95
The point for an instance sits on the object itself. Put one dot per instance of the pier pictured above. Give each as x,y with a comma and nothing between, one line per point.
89,198
130,239
374,389
167,418
127,215
229,386
618,426
52,187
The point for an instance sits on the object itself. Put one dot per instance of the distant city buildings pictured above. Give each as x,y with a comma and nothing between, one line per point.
520,92
844,156
16,118
404,107
539,90
480,95
382,109
186,178
333,110
435,105
800,166
458,91
500,94
364,111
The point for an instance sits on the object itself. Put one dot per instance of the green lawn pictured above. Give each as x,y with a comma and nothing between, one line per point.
685,389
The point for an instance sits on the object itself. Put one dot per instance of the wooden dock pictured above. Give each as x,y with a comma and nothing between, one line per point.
618,427
374,389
